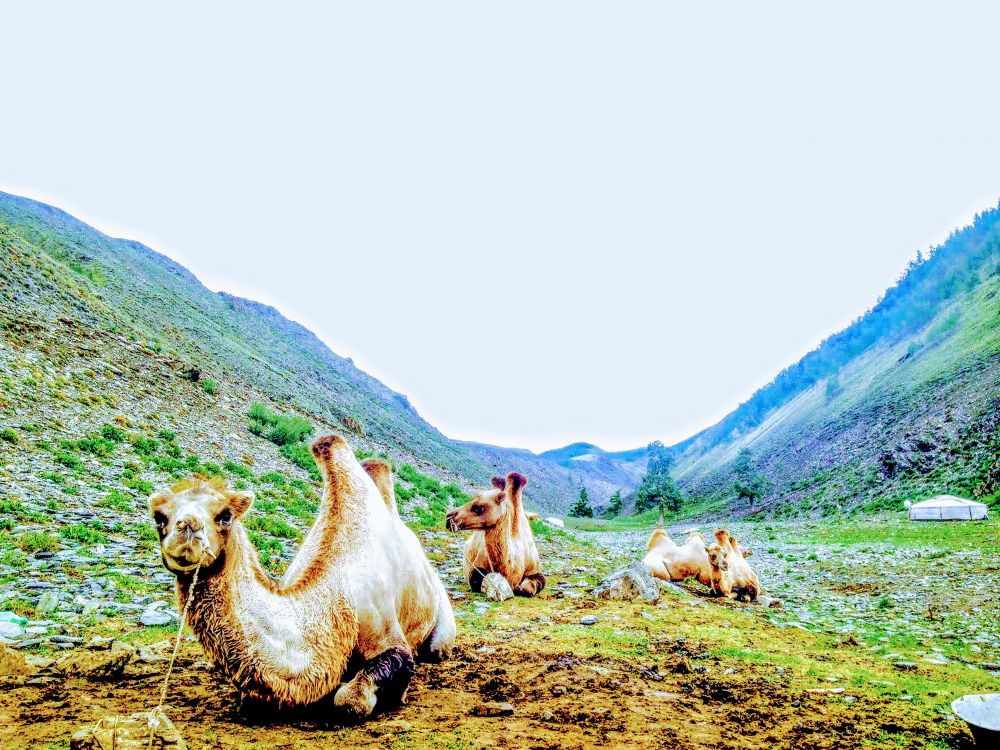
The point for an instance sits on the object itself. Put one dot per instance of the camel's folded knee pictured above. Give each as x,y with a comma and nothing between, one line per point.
530,585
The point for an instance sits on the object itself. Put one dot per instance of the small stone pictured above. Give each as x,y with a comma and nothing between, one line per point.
11,630
48,601
493,709
496,588
155,617
906,666
588,620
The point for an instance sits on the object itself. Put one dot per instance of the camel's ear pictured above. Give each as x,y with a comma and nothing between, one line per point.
158,500
515,483
722,536
240,502
499,482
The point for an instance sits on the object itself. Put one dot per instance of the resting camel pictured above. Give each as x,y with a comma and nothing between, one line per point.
732,575
671,562
501,540
359,600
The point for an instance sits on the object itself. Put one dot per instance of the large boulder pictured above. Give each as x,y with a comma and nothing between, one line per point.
629,584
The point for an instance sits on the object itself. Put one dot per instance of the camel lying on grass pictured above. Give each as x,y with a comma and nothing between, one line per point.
359,589
672,562
732,575
501,540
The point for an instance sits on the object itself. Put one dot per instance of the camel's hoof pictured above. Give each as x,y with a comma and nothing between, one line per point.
358,699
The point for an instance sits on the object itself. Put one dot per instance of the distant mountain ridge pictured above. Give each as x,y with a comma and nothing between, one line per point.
903,402
122,287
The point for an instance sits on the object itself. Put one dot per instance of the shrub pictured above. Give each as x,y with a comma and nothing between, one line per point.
280,429
85,533
273,525
39,541
168,436
8,435
300,455
113,433
68,460
239,470
118,500
145,446
274,478
209,385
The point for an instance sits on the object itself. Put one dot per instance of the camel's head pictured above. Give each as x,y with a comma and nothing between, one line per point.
194,519
718,552
489,507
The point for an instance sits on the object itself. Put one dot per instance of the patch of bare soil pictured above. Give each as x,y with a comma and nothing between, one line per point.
559,701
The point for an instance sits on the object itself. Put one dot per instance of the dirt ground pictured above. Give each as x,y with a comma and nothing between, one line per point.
689,672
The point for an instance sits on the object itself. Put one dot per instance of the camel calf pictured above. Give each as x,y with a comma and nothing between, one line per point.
732,575
672,562
501,540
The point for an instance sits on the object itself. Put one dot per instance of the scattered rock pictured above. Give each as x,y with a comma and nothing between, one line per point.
496,588
493,709
12,662
906,666
628,584
107,663
588,620
48,601
155,617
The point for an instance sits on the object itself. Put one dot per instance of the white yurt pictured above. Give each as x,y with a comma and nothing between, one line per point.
948,508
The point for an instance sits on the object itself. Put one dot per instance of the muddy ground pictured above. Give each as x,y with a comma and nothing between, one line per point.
688,672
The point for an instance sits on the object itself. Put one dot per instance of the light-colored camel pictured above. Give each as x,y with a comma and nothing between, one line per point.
360,587
501,540
669,561
732,575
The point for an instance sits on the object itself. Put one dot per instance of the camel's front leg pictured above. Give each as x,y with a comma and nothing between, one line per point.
384,678
530,585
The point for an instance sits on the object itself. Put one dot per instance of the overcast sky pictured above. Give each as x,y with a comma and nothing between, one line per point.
543,222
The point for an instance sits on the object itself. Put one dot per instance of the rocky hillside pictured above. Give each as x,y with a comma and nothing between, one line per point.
903,403
91,316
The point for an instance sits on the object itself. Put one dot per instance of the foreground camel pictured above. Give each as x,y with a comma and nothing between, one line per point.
501,540
360,590
669,561
732,575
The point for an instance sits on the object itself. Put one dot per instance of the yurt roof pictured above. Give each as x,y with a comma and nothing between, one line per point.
945,500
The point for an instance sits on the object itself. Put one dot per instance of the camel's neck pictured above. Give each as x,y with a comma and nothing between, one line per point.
265,639
500,540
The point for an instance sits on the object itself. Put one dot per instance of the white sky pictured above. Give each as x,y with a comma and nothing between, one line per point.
543,222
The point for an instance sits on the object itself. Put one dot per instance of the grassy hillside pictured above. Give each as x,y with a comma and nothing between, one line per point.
902,404
74,298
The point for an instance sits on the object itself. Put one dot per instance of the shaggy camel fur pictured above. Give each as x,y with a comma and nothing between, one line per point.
360,590
501,540
732,575
672,562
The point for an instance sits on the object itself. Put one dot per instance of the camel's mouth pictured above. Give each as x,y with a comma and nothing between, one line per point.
188,558
453,523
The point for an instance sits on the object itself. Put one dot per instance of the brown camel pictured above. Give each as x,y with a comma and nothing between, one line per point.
501,540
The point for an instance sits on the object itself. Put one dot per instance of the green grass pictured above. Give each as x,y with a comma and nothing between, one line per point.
38,541
273,525
280,429
438,497
8,435
209,386
84,533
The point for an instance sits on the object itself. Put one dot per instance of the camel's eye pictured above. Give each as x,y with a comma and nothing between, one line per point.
478,509
225,517
160,519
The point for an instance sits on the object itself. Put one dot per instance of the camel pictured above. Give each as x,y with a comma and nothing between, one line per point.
501,540
732,575
669,561
359,593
